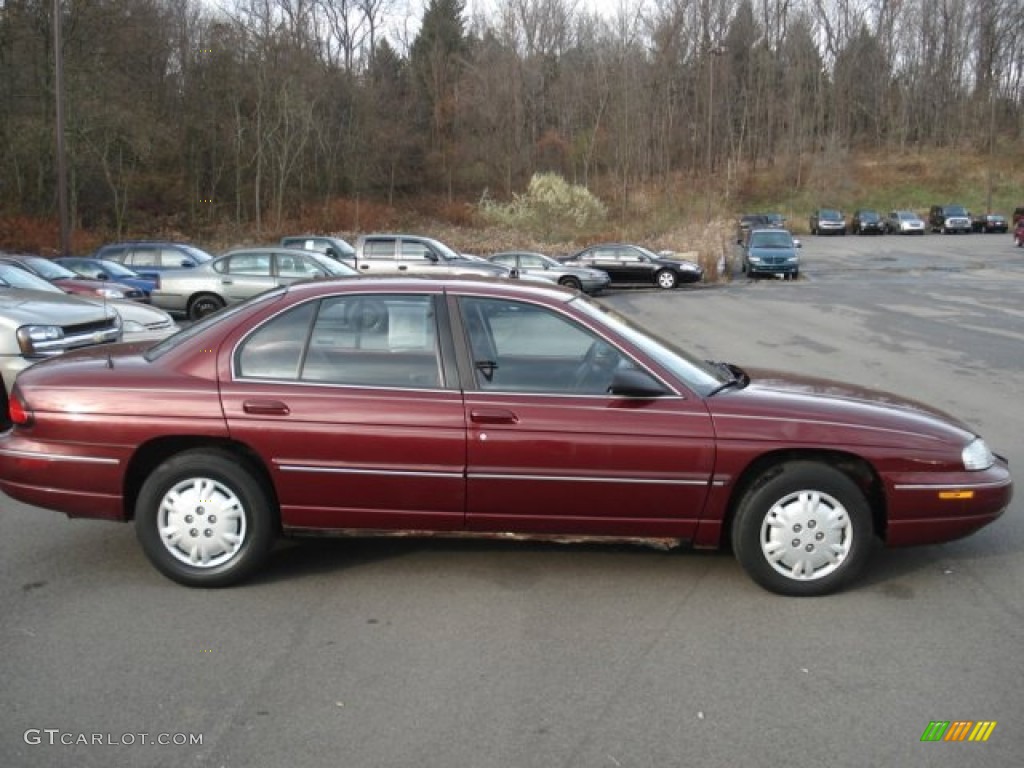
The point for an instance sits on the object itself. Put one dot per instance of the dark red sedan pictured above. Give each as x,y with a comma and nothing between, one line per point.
379,406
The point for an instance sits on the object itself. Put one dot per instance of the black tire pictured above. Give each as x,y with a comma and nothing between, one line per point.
204,304
571,282
816,509
237,522
666,279
5,407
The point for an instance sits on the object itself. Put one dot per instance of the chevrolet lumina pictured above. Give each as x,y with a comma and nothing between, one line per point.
482,408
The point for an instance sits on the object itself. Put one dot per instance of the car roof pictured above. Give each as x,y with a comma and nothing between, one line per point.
497,286
268,249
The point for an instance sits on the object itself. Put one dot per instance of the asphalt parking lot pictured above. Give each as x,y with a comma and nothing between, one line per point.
479,654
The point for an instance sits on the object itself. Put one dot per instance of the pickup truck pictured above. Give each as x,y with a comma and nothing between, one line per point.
388,254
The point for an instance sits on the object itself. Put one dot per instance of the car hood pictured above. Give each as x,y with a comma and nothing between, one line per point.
765,250
825,412
478,267
88,285
44,307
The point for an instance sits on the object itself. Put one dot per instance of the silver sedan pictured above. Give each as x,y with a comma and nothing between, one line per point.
238,275
537,265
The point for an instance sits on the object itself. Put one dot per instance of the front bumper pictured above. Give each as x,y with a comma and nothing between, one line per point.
925,508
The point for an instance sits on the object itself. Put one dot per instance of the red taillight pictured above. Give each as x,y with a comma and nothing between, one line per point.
19,412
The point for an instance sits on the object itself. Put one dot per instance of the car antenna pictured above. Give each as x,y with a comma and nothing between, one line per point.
110,360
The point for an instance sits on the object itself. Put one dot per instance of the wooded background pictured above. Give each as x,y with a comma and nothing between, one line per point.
185,114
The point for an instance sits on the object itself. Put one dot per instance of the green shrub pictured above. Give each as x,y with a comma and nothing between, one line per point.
550,208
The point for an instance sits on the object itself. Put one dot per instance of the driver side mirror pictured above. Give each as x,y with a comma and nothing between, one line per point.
631,382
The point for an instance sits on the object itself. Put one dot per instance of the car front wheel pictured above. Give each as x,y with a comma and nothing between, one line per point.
666,279
802,529
204,519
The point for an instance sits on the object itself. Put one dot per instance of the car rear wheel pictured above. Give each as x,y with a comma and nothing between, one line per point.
204,519
666,279
803,529
203,305
571,282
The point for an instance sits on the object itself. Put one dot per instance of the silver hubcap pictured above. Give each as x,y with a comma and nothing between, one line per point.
806,535
666,280
201,522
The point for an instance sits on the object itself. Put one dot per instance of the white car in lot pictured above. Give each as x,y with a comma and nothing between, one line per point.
35,325
904,223
38,320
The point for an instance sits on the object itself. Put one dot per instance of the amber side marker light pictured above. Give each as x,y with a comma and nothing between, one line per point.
955,495
20,413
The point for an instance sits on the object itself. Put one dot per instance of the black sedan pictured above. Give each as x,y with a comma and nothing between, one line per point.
628,264
990,222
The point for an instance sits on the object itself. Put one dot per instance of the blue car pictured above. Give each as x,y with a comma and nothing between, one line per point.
104,269
149,258
771,252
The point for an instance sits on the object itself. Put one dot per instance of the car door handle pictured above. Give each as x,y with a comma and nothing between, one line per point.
493,416
227,282
266,408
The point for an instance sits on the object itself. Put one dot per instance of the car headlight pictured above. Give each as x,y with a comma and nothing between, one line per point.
110,293
132,326
977,456
754,259
32,339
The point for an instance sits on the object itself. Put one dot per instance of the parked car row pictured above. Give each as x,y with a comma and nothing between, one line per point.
946,219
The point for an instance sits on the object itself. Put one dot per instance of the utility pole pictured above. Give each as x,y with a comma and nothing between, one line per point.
713,51
62,173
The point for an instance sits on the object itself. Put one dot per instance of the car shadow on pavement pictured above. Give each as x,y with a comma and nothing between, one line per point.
304,557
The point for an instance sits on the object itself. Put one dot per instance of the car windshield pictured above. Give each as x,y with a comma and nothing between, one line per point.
197,253
16,277
829,214
699,375
868,216
446,253
331,266
648,254
906,215
771,240
48,269
956,210
114,269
